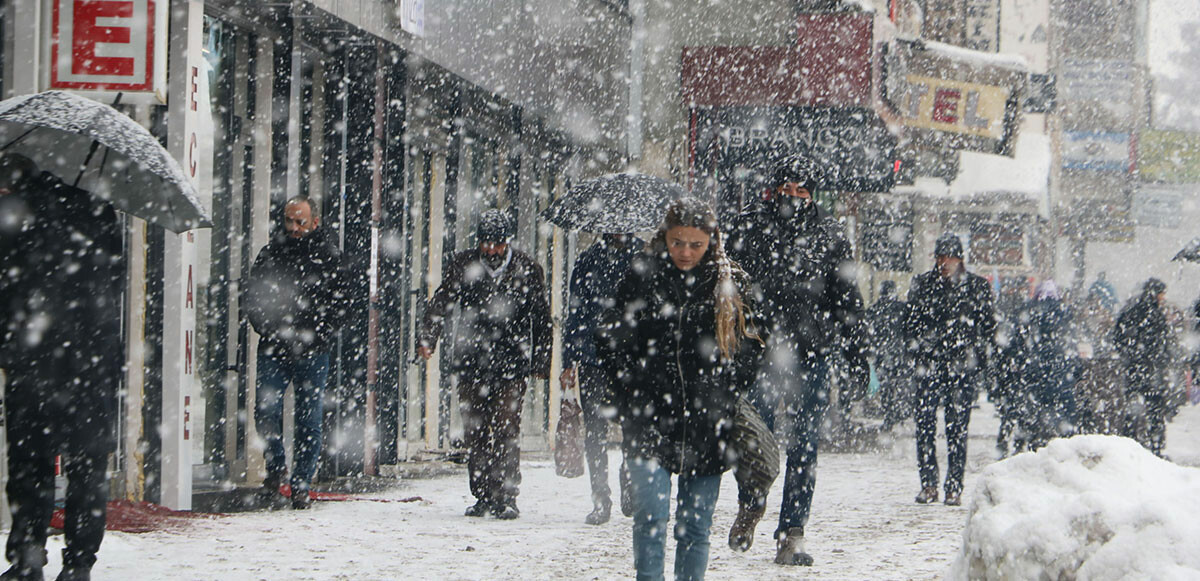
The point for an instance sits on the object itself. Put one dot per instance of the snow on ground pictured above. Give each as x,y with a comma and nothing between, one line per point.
864,525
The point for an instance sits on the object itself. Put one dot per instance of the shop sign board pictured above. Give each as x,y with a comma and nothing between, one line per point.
854,144
954,98
1159,206
1109,83
110,45
1169,156
1096,151
412,17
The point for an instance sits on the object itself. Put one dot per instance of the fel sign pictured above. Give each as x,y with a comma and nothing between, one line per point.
108,45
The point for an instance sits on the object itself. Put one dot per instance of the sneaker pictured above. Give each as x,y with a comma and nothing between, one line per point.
506,511
790,549
928,495
741,534
480,508
600,514
953,499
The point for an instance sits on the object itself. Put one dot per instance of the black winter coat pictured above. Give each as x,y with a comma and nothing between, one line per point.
1047,348
885,323
501,326
60,275
594,280
674,392
295,297
951,322
1143,339
802,270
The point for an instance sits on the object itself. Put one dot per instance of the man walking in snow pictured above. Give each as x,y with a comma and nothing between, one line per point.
60,337
952,326
1146,344
800,264
295,301
503,336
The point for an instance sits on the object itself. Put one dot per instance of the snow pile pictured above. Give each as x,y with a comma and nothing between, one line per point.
1089,507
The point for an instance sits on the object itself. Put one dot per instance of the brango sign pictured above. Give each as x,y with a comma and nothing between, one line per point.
108,45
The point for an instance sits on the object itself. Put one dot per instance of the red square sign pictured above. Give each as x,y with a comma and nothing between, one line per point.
103,45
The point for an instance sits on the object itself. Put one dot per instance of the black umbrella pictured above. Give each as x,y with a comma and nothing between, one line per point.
1190,252
615,204
68,135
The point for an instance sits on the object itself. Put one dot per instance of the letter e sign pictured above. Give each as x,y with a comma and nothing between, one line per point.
103,45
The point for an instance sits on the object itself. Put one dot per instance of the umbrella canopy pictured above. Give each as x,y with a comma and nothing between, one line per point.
615,204
1190,252
73,137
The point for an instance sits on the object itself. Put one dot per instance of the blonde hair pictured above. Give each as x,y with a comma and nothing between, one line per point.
731,309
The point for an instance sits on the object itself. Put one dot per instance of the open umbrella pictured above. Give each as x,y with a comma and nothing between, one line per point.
69,135
615,204
1190,252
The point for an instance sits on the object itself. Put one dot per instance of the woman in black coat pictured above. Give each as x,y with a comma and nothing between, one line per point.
681,338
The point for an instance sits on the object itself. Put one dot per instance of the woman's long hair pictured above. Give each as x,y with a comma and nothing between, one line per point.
731,310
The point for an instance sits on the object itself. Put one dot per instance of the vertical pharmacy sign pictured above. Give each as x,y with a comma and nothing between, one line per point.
109,45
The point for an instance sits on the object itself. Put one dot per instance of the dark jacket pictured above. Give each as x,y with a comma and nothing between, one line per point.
802,270
598,272
60,275
1145,343
674,392
885,324
295,297
501,326
1046,343
951,323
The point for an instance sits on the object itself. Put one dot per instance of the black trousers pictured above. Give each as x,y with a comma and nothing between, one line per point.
954,391
595,386
65,406
491,412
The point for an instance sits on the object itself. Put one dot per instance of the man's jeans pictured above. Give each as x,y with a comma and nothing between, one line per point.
651,486
307,374
801,383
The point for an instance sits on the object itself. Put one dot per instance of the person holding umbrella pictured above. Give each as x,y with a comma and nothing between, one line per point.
60,337
594,280
683,338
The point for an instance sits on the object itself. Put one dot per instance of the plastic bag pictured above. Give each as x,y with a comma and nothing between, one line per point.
568,439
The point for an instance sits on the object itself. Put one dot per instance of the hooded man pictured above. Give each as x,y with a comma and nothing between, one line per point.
802,270
502,336
295,301
60,346
951,324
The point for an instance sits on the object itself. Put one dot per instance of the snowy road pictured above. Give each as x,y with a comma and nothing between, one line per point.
864,526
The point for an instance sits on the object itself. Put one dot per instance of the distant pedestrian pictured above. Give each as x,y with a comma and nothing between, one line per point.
1008,367
952,326
60,346
498,296
681,334
802,267
1100,391
594,280
1142,336
1049,369
296,301
892,362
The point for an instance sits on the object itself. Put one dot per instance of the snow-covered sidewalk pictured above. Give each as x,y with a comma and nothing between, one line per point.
864,525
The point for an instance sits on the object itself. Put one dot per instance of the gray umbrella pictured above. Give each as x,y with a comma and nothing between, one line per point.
615,204
73,137
1190,252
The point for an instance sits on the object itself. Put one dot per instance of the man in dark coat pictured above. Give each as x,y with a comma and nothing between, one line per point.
60,346
503,336
296,301
893,366
594,282
801,266
1143,339
951,324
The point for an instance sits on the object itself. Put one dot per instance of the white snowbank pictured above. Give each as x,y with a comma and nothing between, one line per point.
1085,508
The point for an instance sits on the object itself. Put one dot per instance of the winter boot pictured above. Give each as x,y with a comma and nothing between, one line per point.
741,534
928,495
953,498
269,496
27,565
506,511
301,499
480,508
76,567
74,574
790,549
601,513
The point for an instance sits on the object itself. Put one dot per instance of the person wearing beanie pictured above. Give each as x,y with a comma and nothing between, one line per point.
502,337
951,327
802,267
1146,345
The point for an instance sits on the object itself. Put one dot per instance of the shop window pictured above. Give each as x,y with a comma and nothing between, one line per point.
998,243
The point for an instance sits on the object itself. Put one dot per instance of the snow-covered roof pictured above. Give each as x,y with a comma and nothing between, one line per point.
996,59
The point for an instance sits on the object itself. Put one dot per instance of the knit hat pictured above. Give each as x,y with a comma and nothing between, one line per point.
494,227
796,168
948,245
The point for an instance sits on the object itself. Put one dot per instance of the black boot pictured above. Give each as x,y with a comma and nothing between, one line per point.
506,510
269,496
27,565
601,513
480,508
75,574
76,567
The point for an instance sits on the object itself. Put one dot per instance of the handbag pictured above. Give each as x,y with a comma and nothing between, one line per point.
757,450
568,438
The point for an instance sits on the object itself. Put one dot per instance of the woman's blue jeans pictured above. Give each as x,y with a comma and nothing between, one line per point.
650,484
